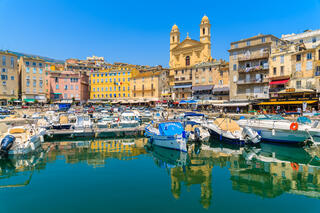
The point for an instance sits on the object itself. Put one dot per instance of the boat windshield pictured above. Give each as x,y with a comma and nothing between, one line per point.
268,117
128,118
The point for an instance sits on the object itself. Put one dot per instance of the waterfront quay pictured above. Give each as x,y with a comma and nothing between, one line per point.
96,133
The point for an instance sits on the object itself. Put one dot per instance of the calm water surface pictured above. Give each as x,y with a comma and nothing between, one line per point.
125,176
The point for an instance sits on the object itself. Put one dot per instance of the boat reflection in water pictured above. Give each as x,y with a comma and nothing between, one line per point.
185,169
17,171
268,171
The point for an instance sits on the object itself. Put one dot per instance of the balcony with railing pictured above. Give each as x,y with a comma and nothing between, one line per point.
253,96
265,67
183,80
256,56
252,81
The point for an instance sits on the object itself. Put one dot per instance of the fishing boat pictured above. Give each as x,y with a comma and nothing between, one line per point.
228,130
276,129
169,135
21,140
129,119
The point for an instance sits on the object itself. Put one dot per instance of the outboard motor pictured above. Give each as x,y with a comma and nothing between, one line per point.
251,135
7,143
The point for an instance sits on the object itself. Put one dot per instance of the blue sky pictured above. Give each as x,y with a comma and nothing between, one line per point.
137,32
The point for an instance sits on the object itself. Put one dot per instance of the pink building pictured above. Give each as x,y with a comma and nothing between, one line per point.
69,85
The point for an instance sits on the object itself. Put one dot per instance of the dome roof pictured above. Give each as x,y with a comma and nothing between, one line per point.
175,28
205,19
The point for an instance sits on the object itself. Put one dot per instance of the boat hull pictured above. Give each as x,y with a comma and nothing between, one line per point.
223,138
170,142
282,136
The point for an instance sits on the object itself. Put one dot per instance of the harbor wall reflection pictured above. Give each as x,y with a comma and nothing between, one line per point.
96,152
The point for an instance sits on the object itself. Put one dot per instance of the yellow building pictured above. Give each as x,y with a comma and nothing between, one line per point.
111,83
9,87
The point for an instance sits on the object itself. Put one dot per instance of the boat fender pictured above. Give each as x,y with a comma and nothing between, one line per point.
184,134
273,132
294,126
33,147
41,138
295,166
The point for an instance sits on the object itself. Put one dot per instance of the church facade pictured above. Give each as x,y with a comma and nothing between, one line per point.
190,52
184,56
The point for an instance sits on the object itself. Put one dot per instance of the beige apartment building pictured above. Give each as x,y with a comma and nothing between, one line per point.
32,79
249,67
303,69
310,38
280,66
317,68
9,87
149,84
211,81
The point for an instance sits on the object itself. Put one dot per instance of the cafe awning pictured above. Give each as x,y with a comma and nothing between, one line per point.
231,104
277,82
221,89
202,88
286,102
28,100
182,86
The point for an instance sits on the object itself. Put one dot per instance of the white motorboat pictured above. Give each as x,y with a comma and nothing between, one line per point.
169,135
83,122
21,140
107,121
192,124
146,116
279,130
228,130
129,119
199,134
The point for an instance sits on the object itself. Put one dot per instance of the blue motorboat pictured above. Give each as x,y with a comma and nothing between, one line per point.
170,135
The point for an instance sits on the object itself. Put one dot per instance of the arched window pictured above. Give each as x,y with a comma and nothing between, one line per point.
187,60
203,31
172,38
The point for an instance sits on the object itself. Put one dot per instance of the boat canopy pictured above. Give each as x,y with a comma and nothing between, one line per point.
170,128
227,124
191,114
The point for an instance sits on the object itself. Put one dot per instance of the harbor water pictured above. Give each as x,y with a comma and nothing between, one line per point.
130,175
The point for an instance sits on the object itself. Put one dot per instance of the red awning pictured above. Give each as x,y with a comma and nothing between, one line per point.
279,82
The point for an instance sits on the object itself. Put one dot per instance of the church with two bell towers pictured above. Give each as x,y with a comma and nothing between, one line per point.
190,52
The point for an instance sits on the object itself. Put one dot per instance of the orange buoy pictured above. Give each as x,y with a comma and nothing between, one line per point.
295,166
294,126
